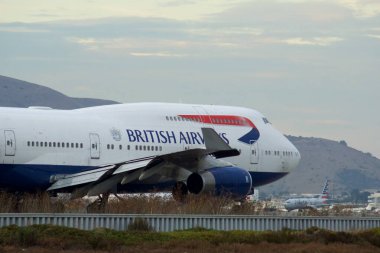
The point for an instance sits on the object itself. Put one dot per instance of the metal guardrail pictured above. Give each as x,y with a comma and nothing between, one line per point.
165,223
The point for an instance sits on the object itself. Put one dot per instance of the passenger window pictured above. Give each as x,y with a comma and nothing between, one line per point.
81,145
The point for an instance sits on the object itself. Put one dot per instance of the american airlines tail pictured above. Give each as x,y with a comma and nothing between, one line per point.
317,201
325,191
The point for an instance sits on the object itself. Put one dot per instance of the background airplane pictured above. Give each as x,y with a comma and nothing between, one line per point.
317,201
141,147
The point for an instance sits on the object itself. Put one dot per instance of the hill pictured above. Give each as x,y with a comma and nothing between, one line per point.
347,167
17,93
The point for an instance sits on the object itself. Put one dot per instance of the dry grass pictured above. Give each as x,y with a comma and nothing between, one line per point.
146,204
131,204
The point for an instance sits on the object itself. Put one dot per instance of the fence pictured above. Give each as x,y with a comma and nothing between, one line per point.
164,223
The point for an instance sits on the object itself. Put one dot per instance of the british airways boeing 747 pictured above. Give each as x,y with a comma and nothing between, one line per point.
140,147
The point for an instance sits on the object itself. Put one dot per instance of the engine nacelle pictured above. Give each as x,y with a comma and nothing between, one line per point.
221,180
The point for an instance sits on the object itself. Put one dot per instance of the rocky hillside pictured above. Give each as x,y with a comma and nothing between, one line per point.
347,167
17,93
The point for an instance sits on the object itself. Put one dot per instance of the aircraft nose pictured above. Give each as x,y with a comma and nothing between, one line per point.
295,156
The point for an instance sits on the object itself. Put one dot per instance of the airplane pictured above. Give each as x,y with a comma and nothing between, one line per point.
314,202
141,147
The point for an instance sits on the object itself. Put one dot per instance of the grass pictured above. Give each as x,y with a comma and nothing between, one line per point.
132,204
146,204
45,237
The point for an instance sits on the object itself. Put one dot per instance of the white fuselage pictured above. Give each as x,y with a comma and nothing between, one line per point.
37,143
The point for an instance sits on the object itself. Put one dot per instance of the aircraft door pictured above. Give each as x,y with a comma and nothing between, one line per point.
254,155
10,143
94,146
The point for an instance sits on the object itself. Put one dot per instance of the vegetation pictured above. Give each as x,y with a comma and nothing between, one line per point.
132,204
45,237
151,204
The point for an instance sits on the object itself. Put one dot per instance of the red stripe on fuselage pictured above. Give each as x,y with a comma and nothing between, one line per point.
229,120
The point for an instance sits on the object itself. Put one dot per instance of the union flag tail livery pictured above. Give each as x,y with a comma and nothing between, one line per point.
141,147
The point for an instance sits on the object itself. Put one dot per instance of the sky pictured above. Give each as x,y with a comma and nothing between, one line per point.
311,66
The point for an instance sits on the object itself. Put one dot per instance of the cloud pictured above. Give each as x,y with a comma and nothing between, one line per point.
156,54
21,29
317,41
376,36
362,8
329,122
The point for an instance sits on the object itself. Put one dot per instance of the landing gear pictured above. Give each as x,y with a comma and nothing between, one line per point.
180,191
99,205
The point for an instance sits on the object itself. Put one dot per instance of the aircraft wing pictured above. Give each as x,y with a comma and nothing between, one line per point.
177,166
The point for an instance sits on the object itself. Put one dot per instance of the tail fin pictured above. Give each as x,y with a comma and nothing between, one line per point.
325,190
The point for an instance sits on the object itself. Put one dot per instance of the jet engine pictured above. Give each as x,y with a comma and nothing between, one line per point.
230,180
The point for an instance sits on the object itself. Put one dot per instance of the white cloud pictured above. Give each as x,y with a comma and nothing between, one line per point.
376,36
46,10
362,8
156,54
20,29
317,41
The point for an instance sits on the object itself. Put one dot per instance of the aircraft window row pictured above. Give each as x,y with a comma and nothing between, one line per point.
284,153
148,148
213,120
176,118
54,144
112,147
228,121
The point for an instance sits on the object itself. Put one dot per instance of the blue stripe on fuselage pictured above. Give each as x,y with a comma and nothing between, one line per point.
32,178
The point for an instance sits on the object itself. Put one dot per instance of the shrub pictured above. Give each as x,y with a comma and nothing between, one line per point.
140,224
27,236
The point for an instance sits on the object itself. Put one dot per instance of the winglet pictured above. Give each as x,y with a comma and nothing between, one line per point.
218,147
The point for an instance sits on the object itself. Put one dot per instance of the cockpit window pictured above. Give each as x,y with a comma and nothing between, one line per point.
266,121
